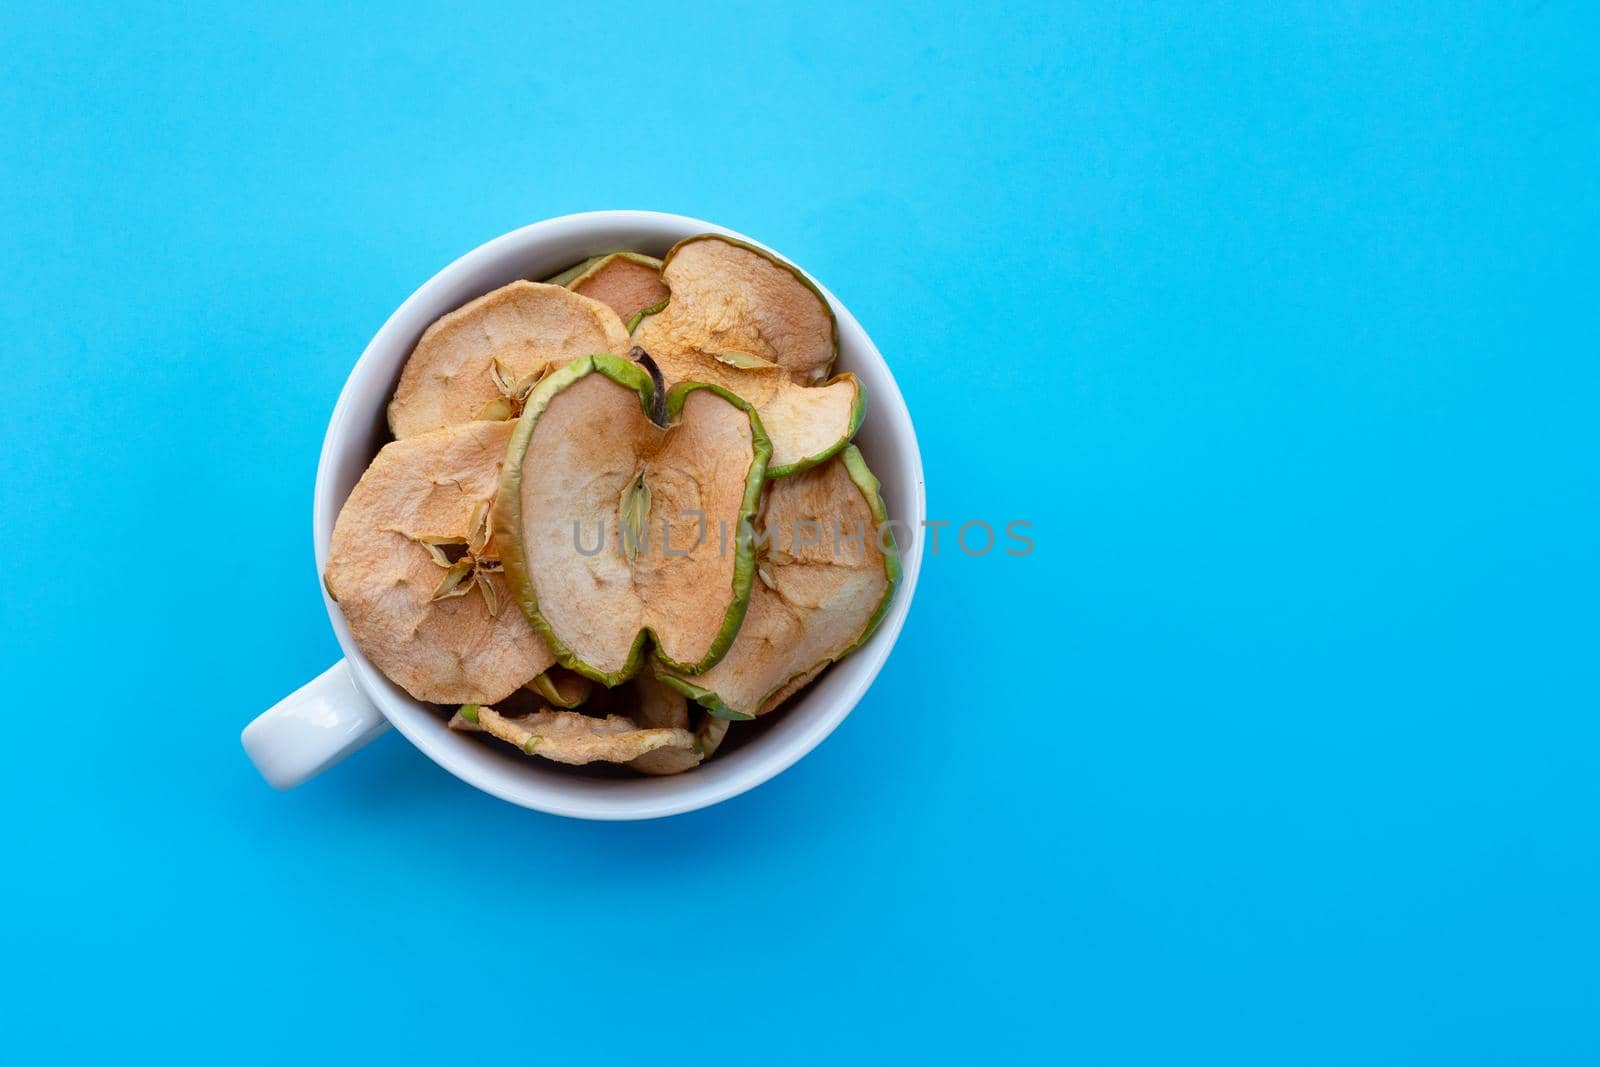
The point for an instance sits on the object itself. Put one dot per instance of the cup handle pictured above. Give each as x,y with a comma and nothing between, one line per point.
312,728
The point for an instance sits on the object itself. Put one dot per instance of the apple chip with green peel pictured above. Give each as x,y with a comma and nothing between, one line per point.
615,530
573,271
626,282
658,705
827,568
570,736
480,361
562,688
709,734
790,688
756,326
413,567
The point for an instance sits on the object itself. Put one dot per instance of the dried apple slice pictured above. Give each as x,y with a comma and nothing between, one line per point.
569,736
653,707
626,282
826,571
573,271
615,530
790,688
659,706
562,688
731,296
756,326
415,572
479,361
709,734
812,424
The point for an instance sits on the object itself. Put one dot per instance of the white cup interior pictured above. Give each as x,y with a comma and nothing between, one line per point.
358,429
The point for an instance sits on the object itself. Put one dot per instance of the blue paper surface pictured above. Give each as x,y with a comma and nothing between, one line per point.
1277,323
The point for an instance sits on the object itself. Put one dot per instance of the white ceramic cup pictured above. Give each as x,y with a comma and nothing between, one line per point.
352,702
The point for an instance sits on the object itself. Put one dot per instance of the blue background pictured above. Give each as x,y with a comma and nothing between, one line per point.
1277,322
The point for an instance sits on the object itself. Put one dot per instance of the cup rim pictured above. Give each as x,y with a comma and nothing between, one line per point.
676,794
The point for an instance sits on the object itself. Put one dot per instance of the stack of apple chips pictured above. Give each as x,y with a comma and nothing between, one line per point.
621,509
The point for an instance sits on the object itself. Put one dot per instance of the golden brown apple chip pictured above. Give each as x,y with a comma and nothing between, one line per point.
480,361
414,569
570,736
626,282
825,575
562,688
756,326
615,530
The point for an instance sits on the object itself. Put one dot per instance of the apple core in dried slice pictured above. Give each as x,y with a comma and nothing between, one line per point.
414,569
569,736
615,530
756,326
628,283
479,361
825,575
